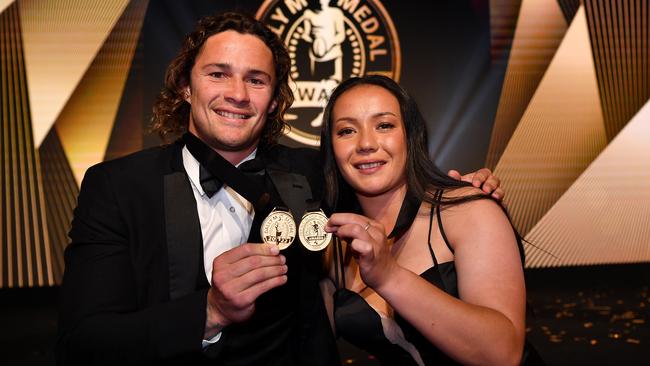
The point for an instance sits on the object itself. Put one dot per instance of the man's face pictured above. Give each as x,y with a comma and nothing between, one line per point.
231,93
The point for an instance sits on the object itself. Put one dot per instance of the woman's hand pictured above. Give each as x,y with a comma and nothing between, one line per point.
367,241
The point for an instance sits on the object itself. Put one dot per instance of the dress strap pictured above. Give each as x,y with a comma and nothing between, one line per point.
439,216
433,255
436,207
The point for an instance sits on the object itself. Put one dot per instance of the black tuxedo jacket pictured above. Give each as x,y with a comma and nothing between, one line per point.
134,289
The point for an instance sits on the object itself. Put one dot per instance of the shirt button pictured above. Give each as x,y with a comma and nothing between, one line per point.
232,209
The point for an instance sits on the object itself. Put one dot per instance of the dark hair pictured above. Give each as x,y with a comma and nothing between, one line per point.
422,175
171,111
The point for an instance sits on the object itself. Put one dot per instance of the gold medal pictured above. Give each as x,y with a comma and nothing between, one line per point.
312,231
278,228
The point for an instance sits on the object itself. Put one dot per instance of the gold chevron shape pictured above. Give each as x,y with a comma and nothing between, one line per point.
4,4
619,33
603,218
61,38
85,123
559,135
540,29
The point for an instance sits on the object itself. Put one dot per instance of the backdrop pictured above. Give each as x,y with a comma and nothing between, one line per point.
551,94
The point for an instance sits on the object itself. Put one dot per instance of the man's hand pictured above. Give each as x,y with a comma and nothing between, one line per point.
483,179
239,276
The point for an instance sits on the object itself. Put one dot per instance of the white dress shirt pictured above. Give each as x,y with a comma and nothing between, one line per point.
226,218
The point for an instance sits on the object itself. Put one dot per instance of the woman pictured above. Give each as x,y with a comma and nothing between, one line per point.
467,304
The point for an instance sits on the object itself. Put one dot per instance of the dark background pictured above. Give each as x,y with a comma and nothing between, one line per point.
592,315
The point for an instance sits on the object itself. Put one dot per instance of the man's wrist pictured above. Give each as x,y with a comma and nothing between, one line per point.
215,322
212,329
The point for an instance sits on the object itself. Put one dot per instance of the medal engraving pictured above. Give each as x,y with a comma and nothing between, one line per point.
278,228
312,231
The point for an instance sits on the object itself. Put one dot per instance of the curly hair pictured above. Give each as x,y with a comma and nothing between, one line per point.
171,112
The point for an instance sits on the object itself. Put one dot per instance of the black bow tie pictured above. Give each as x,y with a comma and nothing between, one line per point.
248,180
211,184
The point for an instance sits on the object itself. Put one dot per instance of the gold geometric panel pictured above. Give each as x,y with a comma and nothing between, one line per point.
619,34
60,188
4,4
85,123
503,21
61,38
540,29
25,259
604,217
129,129
559,135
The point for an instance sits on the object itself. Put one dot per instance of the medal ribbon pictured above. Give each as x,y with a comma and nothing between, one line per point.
407,213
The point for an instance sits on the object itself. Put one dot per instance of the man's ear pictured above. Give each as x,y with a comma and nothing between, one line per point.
272,107
187,94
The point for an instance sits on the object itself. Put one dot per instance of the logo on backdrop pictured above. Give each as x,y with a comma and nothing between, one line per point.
329,41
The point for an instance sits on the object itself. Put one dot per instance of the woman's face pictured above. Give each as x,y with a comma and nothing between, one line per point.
369,140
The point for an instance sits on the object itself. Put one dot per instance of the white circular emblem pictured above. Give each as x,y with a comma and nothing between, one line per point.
312,231
278,228
328,42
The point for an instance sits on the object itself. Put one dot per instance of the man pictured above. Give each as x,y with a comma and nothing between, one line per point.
156,271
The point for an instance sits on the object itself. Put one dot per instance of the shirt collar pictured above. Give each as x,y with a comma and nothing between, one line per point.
192,168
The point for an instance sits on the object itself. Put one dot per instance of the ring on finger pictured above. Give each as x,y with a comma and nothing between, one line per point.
365,228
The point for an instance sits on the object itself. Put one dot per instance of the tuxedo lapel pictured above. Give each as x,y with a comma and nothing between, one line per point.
287,189
293,189
183,229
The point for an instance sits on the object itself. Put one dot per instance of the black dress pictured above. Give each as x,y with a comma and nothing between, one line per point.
361,325
358,323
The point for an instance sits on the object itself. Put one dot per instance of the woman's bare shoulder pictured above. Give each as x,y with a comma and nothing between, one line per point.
475,216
